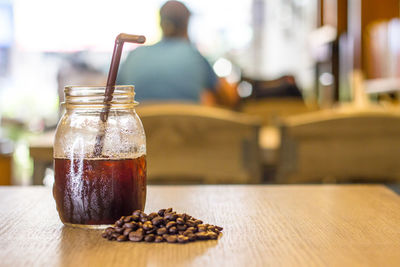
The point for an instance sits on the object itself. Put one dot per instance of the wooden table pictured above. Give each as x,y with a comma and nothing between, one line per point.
263,226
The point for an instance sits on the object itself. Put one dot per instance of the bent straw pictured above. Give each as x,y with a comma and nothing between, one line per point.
111,79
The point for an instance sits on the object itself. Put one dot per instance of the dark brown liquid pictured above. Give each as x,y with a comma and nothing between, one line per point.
99,191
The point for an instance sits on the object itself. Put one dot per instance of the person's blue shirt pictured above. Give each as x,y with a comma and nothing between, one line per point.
172,69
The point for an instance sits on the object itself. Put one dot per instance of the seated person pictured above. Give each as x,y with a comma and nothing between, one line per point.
172,69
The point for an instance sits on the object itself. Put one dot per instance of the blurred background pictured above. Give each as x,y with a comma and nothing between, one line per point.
315,85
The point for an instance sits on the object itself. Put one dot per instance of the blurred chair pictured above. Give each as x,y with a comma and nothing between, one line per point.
340,146
41,151
270,110
188,143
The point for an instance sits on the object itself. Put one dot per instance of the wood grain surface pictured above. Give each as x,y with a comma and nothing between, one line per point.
309,225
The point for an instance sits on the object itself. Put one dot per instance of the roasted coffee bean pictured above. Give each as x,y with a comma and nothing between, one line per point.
201,236
166,225
127,231
202,229
180,221
182,239
194,230
161,231
122,238
212,235
161,212
147,226
135,218
131,225
157,220
171,239
127,219
109,230
158,239
192,237
181,227
137,235
119,229
171,216
115,235
170,224
173,230
186,217
135,238
168,211
140,231
152,215
187,232
152,231
143,219
190,223
137,212
149,238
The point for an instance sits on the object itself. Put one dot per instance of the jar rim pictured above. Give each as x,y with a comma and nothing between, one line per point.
93,96
79,88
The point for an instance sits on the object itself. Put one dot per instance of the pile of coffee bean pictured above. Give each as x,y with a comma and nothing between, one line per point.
164,225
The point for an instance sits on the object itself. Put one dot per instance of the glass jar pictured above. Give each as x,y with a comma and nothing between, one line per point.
100,164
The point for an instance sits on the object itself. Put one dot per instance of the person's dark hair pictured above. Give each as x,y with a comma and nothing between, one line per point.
174,19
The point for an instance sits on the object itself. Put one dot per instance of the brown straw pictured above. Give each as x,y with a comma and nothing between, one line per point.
112,77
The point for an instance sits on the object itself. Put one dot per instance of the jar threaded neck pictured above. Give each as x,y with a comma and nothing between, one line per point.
93,97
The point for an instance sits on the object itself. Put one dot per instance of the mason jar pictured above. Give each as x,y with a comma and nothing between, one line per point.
99,157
